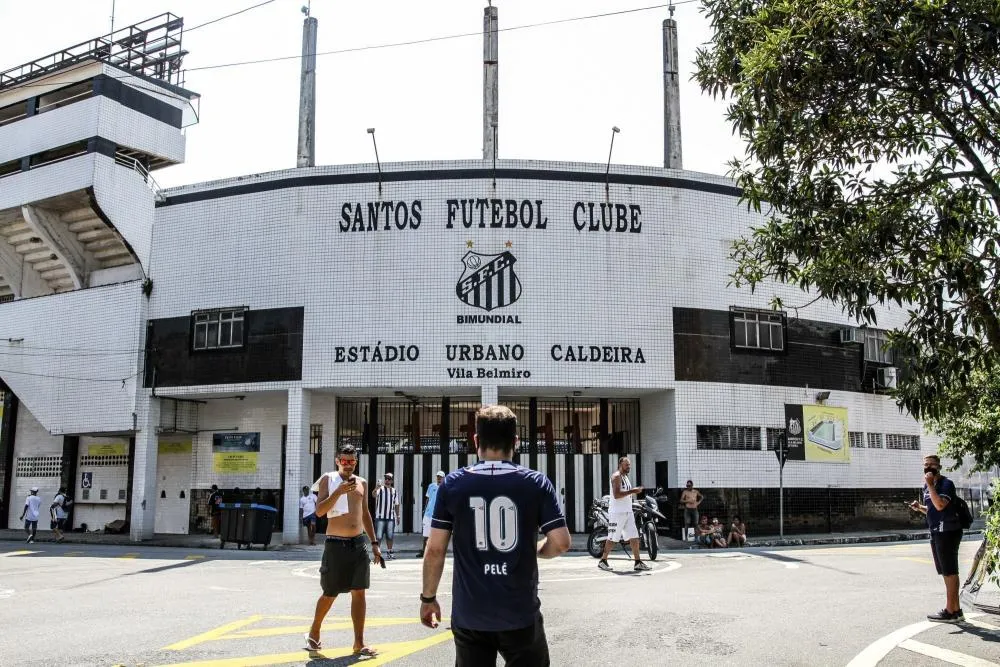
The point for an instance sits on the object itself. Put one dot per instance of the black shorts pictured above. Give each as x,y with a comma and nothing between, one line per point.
346,565
526,647
945,546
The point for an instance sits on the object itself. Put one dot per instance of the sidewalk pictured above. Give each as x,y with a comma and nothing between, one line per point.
410,543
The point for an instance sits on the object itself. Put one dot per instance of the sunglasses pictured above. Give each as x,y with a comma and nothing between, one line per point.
347,462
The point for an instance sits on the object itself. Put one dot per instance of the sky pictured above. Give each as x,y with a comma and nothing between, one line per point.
562,87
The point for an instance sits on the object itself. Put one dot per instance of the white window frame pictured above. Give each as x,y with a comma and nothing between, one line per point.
877,348
216,329
750,326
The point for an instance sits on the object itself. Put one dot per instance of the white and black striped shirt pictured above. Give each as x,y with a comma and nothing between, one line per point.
386,499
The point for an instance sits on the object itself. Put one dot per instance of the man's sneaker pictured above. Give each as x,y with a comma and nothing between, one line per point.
392,556
945,616
641,567
603,564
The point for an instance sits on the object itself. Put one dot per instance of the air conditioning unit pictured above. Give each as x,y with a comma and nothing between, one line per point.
852,335
885,378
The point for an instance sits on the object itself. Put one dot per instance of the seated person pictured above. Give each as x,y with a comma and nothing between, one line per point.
738,532
718,539
704,532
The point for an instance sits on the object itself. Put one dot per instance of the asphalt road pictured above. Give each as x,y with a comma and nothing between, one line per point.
109,605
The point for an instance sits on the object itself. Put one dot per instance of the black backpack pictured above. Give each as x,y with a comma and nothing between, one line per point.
964,513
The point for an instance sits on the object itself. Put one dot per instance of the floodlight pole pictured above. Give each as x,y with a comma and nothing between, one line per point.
781,486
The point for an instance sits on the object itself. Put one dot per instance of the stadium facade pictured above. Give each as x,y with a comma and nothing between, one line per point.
156,342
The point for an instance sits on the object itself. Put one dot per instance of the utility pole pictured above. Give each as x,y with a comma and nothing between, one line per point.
306,155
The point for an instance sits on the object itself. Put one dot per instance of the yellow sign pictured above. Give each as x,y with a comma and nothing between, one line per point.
825,434
234,462
108,449
175,448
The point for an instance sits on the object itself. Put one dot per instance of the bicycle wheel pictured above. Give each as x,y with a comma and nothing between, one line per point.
981,589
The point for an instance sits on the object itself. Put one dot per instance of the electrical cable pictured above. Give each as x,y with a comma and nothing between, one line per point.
66,377
442,38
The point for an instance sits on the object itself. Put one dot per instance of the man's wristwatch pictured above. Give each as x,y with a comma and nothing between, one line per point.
428,600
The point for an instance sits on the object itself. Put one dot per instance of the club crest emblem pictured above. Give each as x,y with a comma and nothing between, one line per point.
794,427
488,281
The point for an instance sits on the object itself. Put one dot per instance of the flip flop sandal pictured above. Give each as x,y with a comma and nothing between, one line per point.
366,652
313,644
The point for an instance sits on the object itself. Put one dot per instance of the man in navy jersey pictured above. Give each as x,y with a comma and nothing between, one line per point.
495,510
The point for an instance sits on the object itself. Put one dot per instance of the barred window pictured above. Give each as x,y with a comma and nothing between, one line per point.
875,441
898,441
728,437
38,466
216,329
103,461
857,439
758,330
877,346
315,438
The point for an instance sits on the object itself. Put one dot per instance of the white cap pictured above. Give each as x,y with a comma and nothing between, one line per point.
34,489
440,473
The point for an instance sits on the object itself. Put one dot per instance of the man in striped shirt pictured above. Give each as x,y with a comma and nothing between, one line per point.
386,511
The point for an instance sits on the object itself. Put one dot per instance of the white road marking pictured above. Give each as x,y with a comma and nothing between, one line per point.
17,553
946,655
792,566
982,624
878,649
6,593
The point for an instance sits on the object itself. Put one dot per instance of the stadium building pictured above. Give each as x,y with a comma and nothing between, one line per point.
156,342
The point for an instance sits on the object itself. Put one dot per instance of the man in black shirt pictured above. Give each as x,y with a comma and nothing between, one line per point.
495,510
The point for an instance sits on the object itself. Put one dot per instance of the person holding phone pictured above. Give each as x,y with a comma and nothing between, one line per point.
346,567
946,534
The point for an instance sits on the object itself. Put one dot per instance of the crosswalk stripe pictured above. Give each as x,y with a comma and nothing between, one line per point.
946,655
17,553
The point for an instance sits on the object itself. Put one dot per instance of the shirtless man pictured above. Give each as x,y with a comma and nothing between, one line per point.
343,498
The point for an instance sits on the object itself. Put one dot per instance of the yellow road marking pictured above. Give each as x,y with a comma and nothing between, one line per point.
129,555
73,553
345,624
387,653
212,634
193,557
17,553
925,561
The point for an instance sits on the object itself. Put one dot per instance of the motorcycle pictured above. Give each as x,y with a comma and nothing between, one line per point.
647,516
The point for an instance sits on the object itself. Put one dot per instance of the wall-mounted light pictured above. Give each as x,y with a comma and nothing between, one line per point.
822,396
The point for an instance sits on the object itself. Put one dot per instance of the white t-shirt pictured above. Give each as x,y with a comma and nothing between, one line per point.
308,504
33,503
60,501
621,505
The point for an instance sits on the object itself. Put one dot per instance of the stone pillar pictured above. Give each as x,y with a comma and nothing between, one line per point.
297,461
143,515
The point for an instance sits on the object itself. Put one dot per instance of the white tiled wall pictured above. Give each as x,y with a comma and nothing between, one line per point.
33,440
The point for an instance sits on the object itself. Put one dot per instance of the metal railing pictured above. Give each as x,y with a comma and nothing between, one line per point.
140,168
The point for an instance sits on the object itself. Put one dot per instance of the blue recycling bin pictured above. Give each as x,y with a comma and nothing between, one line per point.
246,524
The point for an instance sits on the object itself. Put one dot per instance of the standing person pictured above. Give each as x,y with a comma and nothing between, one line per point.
307,513
495,510
215,509
387,511
343,497
621,518
59,511
30,514
690,500
431,497
946,534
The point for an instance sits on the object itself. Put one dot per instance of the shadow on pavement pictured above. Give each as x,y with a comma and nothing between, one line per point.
790,559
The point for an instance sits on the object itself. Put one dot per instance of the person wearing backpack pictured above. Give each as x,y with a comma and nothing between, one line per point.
60,512
941,505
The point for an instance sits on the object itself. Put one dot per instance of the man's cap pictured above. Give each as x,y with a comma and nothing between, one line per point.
440,473
34,489
388,475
